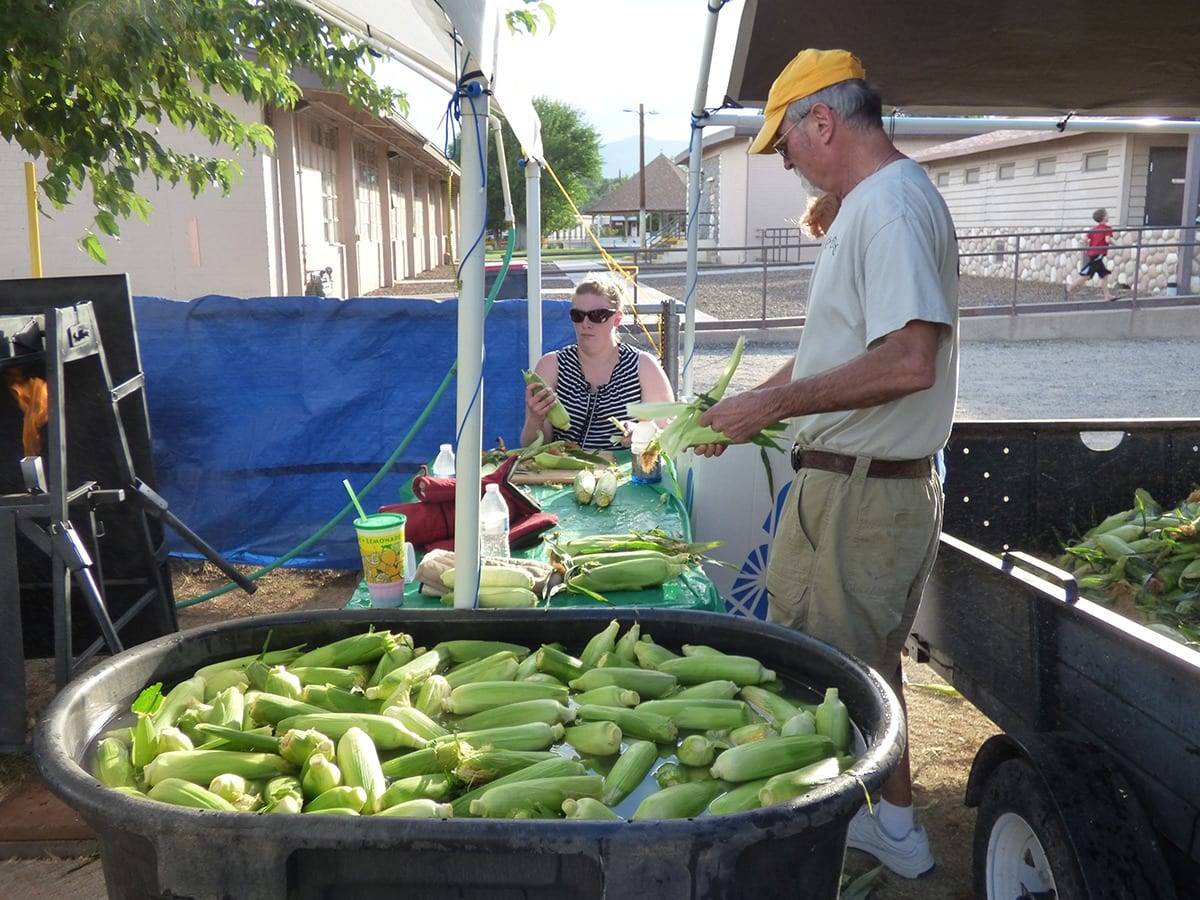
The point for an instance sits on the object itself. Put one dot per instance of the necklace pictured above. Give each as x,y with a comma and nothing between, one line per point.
891,156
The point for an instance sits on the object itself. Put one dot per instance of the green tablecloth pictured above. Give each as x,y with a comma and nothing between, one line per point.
636,507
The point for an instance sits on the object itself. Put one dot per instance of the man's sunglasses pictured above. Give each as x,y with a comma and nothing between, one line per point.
597,316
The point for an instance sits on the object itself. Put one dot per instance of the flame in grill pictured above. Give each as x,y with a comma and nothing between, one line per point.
33,397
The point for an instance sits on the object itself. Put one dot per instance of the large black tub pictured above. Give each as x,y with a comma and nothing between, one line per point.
153,850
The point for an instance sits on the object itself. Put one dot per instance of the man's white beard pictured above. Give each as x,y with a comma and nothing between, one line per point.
809,188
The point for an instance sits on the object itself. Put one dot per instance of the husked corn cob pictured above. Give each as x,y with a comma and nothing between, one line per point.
344,796
298,745
202,766
336,699
742,798
561,665
647,682
359,762
606,488
358,648
771,756
481,695
488,765
755,731
788,785
627,642
113,766
801,723
595,738
696,750
416,721
698,713
585,486
538,798
434,692
599,644
493,575
499,598
558,415
833,720
548,711
462,651
418,809
589,808
320,774
709,690
530,736
171,738
645,725
649,654
609,695
384,731
431,787
628,771
558,767
178,792
770,706
741,670
236,739
680,801
498,667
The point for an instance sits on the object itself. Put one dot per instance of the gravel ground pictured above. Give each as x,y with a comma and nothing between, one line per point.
739,296
1030,379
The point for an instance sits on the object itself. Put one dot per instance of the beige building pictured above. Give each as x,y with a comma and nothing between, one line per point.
367,198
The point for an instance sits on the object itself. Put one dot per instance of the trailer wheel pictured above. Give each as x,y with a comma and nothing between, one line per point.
1021,850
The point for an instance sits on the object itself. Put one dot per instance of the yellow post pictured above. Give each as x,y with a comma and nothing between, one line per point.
31,210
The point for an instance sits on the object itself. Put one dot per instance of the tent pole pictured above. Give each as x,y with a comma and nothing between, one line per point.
473,197
533,256
910,124
693,199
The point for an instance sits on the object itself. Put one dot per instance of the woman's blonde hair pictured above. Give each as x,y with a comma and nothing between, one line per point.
603,285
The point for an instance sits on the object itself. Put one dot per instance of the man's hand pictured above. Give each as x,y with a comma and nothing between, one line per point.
740,417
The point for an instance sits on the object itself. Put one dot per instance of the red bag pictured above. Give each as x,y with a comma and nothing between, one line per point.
431,520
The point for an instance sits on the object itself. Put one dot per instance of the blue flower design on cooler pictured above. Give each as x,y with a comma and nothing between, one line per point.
748,596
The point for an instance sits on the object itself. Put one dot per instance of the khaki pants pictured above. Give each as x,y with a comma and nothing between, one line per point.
851,557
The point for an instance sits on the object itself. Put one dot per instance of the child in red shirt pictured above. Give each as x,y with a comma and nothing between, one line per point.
1097,248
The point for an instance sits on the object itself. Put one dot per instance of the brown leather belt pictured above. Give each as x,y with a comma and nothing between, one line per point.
880,468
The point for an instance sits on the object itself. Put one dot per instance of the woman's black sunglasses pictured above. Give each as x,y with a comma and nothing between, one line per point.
598,316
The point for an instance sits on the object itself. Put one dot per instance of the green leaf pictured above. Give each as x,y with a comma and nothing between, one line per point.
149,700
91,245
108,223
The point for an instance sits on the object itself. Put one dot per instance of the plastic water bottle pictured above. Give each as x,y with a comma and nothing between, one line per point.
493,523
443,466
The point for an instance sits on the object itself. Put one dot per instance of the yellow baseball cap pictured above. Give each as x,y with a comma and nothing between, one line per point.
808,72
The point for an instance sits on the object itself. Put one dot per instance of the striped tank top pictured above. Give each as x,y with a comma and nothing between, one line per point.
590,410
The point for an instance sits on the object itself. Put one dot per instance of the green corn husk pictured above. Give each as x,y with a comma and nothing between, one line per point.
272,658
558,767
285,804
418,809
548,711
771,707
833,720
680,801
226,678
627,642
697,713
113,765
648,726
628,771
599,644
802,723
202,766
742,798
561,665
610,695
184,793
271,709
530,736
190,720
282,683
558,416
348,797
696,750
670,774
359,762
332,811
256,674
742,670
415,787
120,735
416,762
359,648
320,774
487,765
500,667
398,651
462,651
416,722
612,661
499,598
589,808
228,709
410,674
184,695
236,790
596,578
595,738
336,699
771,756
709,690
236,739
527,668
561,461
384,731
634,540
282,786
649,655
542,678
432,696
748,734
789,785
647,682
171,738
297,745
343,678
480,695
700,650
537,798
145,742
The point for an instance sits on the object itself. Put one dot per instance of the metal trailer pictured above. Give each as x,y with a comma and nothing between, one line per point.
1093,788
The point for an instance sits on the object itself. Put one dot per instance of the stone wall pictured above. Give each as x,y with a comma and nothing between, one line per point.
1052,257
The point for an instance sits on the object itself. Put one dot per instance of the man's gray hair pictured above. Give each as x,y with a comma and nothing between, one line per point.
856,102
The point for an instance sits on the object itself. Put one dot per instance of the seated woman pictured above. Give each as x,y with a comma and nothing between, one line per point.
596,376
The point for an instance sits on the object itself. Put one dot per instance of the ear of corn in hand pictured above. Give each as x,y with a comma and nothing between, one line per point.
557,416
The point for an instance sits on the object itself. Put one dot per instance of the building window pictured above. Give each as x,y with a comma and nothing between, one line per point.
1095,162
1006,171
1044,166
971,176
323,140
943,179
366,191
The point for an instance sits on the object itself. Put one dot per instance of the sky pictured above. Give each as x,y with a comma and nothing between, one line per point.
604,56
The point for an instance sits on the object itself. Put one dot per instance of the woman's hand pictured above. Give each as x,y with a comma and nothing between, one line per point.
538,400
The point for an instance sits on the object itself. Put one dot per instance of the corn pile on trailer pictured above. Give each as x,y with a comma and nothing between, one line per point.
1099,713
153,850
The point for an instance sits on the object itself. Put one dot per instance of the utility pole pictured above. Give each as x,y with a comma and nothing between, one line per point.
641,114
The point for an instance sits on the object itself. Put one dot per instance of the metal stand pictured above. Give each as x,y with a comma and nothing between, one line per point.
43,515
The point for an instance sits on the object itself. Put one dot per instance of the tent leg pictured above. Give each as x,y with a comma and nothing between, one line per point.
533,255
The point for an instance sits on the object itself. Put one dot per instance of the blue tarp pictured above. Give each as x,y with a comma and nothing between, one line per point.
259,408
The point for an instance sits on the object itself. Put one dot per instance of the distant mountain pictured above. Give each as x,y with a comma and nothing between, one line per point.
621,157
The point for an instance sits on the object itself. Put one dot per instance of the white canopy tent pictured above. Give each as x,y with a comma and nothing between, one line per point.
446,41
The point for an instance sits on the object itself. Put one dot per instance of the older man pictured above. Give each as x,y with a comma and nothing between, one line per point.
871,389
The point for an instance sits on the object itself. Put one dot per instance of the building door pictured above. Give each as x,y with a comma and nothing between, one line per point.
367,214
1164,186
400,226
319,200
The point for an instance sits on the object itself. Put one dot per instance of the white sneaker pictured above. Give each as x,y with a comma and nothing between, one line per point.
908,857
